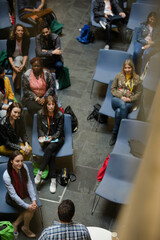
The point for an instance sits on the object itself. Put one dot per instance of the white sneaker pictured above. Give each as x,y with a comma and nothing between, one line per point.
52,188
106,47
37,179
103,24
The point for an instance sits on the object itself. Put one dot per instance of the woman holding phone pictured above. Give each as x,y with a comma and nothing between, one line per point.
50,127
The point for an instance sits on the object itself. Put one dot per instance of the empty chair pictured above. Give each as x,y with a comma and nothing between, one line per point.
66,149
118,179
4,207
148,1
107,109
5,21
130,129
138,14
109,63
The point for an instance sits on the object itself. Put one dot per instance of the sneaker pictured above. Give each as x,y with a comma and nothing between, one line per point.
52,187
106,47
37,179
103,24
113,139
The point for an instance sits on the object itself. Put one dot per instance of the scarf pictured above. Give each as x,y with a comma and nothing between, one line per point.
19,184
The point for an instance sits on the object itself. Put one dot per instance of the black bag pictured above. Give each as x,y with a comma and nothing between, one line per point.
74,119
64,177
101,118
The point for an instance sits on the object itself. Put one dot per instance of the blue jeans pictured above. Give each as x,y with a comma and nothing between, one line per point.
121,109
141,57
51,63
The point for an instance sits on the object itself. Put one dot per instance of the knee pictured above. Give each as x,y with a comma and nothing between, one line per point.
59,64
117,113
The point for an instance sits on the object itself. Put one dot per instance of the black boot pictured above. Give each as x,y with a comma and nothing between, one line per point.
113,139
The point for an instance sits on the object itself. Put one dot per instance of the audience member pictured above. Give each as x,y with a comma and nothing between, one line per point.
17,49
50,125
66,228
6,93
147,43
126,89
20,192
14,126
108,12
48,47
37,84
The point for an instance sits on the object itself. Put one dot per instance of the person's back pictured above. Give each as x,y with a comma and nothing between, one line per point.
65,229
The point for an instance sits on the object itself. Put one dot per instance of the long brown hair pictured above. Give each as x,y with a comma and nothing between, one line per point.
13,105
131,64
13,35
48,99
9,167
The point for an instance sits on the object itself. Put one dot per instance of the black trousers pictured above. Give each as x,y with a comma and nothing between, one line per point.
50,151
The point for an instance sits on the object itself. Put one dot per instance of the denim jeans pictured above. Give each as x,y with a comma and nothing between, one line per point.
51,63
141,57
116,19
121,109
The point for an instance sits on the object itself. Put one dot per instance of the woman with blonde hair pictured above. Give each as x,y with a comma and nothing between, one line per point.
126,90
17,50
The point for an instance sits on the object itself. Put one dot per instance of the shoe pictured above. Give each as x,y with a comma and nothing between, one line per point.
52,188
113,139
106,47
37,179
28,232
103,24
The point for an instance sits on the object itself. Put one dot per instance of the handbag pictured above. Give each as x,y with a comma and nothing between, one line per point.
65,177
74,119
56,27
101,118
6,230
64,78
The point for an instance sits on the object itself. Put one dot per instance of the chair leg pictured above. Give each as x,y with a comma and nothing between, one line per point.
92,88
41,217
95,203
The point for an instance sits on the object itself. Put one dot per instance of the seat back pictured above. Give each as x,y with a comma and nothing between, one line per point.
32,48
139,13
4,15
27,25
134,38
3,45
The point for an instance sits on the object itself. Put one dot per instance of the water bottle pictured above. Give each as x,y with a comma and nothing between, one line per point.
16,237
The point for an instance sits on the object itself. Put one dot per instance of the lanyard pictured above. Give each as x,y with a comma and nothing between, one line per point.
108,5
130,86
48,119
19,45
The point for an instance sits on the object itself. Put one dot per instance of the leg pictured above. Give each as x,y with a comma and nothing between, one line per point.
18,221
147,54
58,66
25,228
137,54
33,107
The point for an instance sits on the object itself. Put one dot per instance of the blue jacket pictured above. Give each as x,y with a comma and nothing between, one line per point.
143,31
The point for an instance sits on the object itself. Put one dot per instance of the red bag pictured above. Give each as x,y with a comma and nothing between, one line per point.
103,169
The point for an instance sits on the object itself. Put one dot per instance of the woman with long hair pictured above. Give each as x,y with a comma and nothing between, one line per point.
37,84
126,90
17,50
14,126
20,192
50,126
147,43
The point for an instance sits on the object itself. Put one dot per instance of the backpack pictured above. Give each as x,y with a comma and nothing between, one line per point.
6,230
86,36
74,119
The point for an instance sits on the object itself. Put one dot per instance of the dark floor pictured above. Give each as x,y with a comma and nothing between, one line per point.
91,147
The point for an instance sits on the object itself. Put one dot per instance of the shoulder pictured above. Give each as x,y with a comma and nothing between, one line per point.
3,120
80,227
59,115
38,36
119,75
27,73
54,36
6,176
39,113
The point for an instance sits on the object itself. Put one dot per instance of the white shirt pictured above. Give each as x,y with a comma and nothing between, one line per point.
107,8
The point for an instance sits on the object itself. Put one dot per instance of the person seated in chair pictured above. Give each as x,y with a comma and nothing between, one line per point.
20,192
48,47
37,84
17,50
147,43
50,125
126,90
65,228
6,93
108,12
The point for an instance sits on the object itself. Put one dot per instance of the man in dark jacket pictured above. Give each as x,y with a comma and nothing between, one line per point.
48,48
108,12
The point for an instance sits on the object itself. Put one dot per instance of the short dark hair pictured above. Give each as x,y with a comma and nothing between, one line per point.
66,210
37,59
44,25
1,69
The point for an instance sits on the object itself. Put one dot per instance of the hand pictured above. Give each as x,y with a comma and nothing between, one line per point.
23,148
41,100
41,139
122,14
150,42
106,15
36,10
16,69
32,207
44,50
57,51
146,46
34,203
126,99
27,148
21,67
49,139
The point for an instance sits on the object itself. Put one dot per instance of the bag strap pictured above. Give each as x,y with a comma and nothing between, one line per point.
72,177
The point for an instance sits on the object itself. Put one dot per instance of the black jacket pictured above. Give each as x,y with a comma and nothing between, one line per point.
56,125
13,135
99,6
11,45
